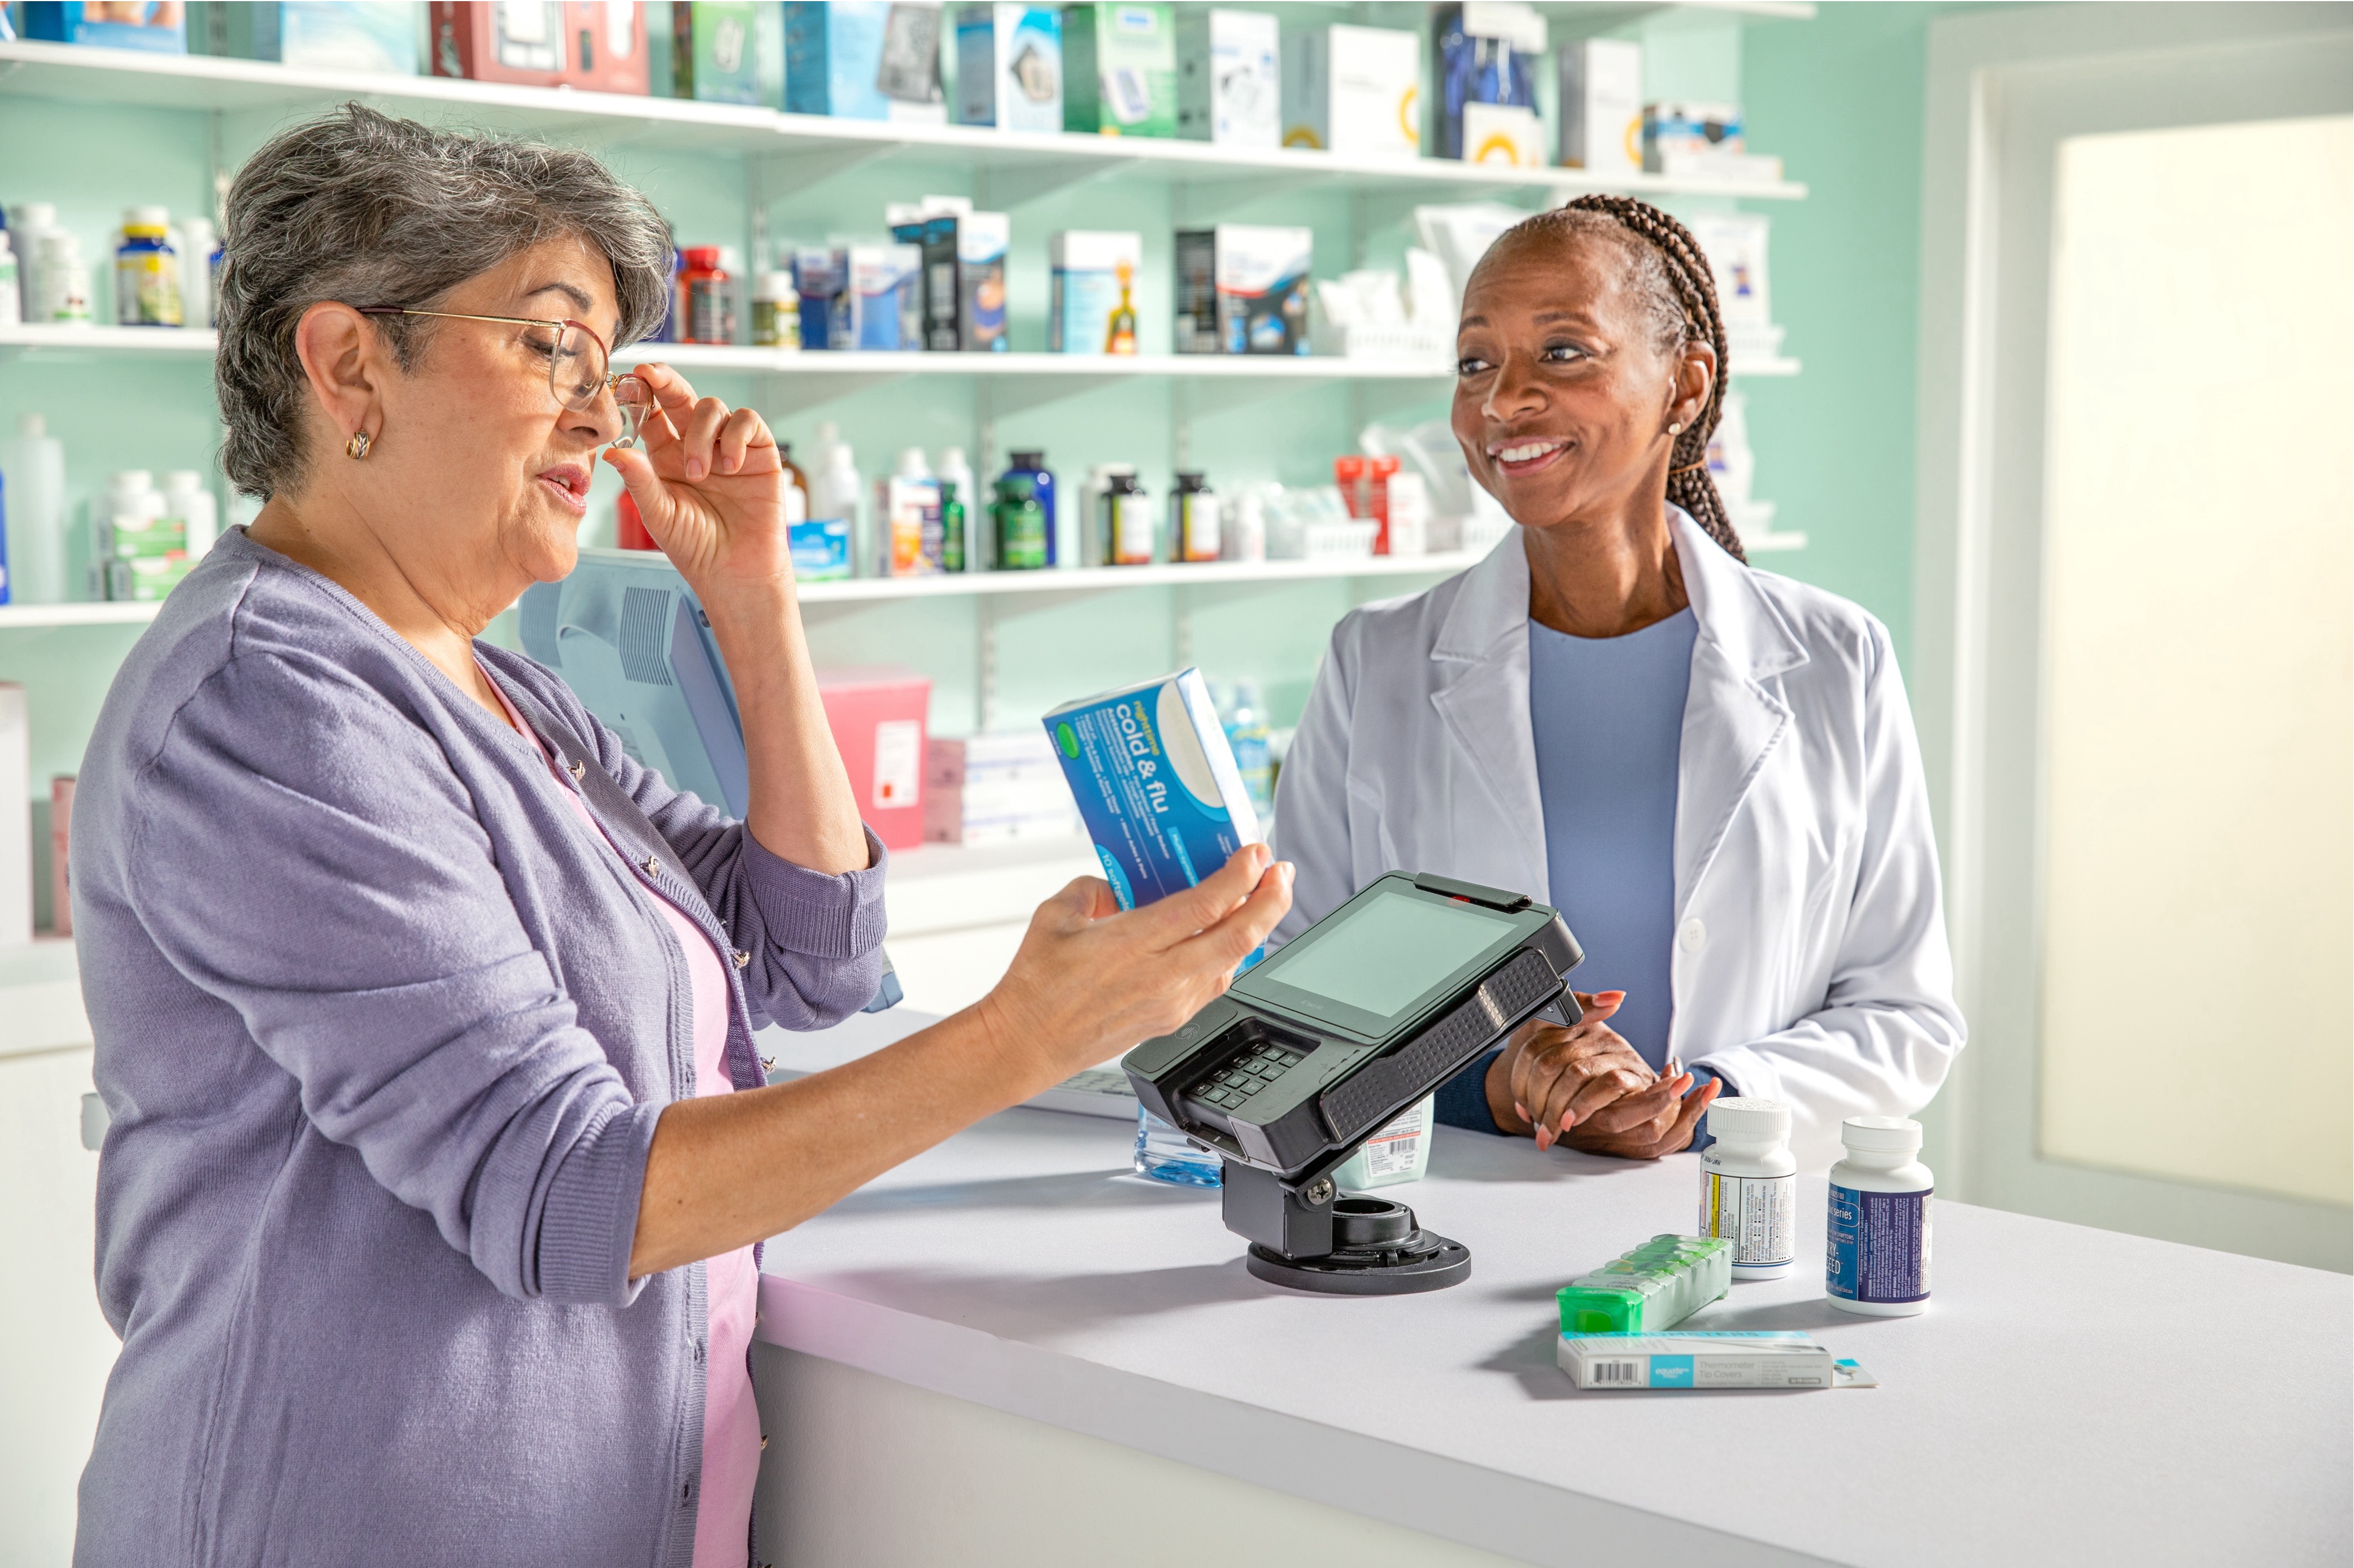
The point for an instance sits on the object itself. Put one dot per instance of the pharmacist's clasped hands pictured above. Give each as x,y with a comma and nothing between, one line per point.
710,486
1584,1086
1090,980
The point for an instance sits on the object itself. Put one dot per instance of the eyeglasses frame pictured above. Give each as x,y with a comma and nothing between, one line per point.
612,377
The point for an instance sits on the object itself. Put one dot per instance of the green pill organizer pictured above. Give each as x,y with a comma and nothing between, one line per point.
1650,1288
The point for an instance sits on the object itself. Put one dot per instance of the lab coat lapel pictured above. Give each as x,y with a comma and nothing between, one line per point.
1482,698
1735,715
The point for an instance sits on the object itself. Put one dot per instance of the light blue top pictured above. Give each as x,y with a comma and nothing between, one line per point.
1608,716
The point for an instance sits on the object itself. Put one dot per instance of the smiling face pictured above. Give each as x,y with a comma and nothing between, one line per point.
483,473
1564,392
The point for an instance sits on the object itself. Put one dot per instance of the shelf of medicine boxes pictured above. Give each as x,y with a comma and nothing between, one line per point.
849,371
1077,579
791,151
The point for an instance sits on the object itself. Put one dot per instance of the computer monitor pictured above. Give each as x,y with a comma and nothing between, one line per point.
632,640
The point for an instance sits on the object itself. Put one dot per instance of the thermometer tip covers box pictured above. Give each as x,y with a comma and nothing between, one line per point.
1156,784
1772,1358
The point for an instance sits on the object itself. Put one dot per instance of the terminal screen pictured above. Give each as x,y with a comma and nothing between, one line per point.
1383,957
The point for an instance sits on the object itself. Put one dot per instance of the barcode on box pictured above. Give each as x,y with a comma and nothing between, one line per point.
1617,1374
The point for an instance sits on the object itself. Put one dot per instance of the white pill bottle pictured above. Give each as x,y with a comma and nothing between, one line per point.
1877,1254
1749,1186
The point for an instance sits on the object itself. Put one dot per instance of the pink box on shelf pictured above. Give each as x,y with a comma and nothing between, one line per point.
877,716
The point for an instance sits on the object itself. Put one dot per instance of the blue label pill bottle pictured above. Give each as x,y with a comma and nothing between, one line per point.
1877,1259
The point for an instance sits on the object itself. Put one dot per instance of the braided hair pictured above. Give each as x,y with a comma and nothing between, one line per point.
1670,275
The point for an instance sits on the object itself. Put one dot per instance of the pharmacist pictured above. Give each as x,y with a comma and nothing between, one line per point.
1712,771
423,1012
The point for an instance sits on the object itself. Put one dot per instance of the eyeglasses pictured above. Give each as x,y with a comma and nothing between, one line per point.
579,366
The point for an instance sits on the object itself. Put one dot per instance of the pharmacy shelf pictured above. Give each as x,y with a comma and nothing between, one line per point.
793,150
55,343
1095,579
957,585
30,617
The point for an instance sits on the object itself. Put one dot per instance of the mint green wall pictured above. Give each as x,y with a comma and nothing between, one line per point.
1840,97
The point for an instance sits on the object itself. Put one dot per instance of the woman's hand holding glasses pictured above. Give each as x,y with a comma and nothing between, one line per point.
709,483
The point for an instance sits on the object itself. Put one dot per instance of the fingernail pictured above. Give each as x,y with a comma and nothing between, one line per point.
694,468
1520,1110
1568,1120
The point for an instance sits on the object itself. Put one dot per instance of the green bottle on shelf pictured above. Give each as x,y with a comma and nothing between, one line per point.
1020,523
952,529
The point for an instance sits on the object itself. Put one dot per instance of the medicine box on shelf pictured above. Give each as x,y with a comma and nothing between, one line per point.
1010,67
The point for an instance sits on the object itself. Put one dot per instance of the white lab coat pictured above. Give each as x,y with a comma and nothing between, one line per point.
1810,963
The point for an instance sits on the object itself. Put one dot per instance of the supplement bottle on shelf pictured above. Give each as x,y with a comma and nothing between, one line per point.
186,499
26,224
706,310
1033,465
64,282
1251,741
1128,535
1193,520
1877,1256
194,238
837,495
11,296
959,541
776,311
147,270
1748,1186
1020,525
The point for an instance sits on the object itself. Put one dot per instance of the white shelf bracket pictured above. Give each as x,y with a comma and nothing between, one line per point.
984,615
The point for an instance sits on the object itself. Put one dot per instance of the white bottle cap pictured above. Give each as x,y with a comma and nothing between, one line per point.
56,245
132,479
5,246
1739,1120
911,463
146,217
32,427
36,215
1872,1134
183,479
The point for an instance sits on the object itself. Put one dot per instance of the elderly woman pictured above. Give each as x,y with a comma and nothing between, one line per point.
1710,770
440,1148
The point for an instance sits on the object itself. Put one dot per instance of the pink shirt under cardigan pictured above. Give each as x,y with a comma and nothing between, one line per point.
731,1422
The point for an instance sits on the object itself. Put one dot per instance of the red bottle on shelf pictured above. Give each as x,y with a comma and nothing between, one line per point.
707,301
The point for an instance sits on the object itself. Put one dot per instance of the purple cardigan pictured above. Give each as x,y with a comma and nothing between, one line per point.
384,1035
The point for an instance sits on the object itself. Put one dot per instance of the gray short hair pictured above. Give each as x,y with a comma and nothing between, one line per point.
370,210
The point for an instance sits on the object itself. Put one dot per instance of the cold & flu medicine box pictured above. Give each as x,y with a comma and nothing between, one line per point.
1156,784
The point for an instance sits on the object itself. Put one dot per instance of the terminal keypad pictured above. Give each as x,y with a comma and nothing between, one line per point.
1245,1073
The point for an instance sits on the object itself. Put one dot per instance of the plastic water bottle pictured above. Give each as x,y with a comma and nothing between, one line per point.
1247,736
1166,1154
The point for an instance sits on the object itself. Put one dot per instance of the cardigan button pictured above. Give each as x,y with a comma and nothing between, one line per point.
578,768
1693,936
742,958
654,866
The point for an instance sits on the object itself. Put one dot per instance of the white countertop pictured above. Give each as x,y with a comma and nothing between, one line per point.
2073,1395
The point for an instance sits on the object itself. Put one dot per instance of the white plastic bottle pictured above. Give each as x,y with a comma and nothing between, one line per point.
1877,1251
12,298
908,518
1749,1186
838,493
186,498
35,464
64,282
197,244
954,470
26,224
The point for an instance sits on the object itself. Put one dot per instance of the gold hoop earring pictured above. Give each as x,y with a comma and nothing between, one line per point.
357,446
